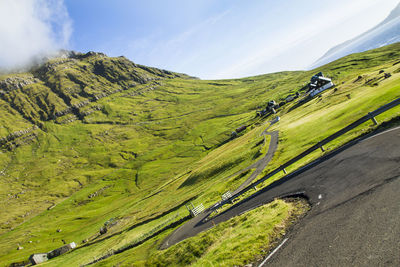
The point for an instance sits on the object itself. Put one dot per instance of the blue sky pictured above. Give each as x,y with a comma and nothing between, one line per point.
210,39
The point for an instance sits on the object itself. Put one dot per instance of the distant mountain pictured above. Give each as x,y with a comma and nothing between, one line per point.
386,32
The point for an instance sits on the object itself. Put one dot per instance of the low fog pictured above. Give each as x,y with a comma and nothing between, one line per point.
30,30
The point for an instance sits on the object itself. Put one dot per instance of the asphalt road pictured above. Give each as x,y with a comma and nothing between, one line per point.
355,214
260,165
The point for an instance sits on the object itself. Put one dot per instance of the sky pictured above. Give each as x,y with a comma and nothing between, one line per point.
209,39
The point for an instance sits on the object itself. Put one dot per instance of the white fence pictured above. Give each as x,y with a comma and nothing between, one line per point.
197,210
226,195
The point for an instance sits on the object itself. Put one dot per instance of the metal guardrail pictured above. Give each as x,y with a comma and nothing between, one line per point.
319,145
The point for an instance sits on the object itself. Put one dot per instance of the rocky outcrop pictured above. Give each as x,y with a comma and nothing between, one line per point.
67,119
16,134
145,89
66,84
98,192
15,83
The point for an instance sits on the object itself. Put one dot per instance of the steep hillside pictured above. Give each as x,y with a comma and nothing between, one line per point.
88,141
71,85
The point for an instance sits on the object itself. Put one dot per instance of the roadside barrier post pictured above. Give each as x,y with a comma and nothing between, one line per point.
369,116
373,118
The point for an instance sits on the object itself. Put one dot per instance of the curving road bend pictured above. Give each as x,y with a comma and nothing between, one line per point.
260,165
355,215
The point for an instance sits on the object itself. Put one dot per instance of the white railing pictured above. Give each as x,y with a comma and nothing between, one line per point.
319,145
226,195
197,210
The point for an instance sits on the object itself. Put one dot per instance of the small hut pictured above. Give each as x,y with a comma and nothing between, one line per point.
319,83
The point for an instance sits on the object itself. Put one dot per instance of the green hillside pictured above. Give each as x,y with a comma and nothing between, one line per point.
88,139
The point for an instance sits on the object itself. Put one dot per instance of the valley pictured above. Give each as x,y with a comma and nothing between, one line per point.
88,141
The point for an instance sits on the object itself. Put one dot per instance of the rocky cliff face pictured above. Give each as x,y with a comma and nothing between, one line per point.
66,84
66,89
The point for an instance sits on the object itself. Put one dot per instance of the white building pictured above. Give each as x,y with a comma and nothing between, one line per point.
319,83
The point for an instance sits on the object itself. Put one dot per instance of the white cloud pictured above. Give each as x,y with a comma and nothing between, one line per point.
301,44
30,29
178,51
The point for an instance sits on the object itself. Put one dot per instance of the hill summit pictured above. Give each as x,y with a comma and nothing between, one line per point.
72,83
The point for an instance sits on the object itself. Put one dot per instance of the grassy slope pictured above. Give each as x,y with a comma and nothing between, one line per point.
141,148
247,235
334,109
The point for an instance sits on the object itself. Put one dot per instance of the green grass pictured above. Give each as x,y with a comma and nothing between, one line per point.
238,241
154,149
302,128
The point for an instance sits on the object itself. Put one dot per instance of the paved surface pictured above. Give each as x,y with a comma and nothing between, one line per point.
355,215
364,231
260,165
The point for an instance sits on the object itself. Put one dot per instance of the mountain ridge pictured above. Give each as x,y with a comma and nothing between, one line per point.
384,33
46,93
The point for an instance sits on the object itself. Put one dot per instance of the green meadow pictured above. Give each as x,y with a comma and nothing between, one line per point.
94,140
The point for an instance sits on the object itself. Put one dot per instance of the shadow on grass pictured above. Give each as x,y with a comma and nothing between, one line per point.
97,239
195,177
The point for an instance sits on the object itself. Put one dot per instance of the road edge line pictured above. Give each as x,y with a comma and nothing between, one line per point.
273,252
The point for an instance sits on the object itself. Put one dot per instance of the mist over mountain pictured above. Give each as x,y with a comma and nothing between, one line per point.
386,32
31,30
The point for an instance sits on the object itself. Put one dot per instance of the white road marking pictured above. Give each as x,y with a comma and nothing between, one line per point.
273,252
393,129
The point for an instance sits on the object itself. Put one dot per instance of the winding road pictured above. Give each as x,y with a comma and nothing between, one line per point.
260,165
355,214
